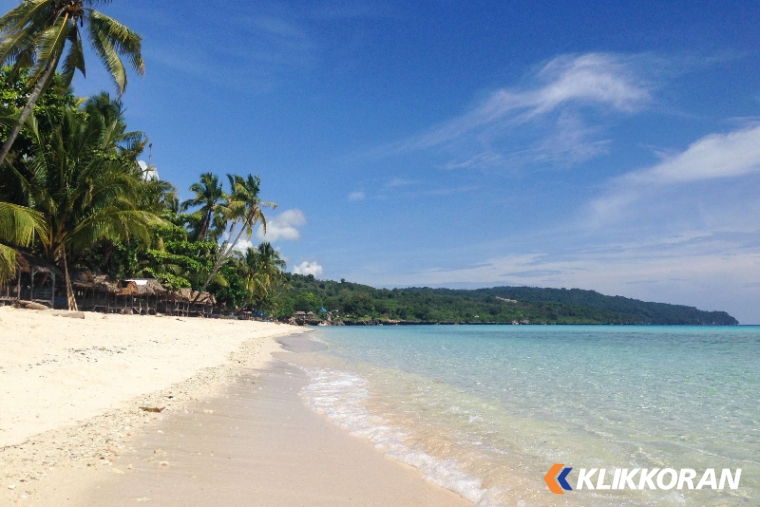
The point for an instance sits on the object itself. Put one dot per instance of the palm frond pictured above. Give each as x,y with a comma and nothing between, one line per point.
7,263
124,40
16,19
109,56
18,225
75,59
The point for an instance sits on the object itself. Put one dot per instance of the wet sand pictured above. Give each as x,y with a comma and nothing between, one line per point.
254,444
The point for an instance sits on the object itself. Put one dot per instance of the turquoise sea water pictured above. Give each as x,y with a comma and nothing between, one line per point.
486,410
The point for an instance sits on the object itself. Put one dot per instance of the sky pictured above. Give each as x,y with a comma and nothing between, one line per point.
612,146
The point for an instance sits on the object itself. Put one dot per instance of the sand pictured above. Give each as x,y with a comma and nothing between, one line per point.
232,430
71,389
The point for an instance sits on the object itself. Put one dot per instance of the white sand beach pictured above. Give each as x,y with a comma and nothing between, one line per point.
74,429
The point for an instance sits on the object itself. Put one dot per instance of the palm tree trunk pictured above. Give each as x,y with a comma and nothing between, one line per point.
204,231
69,289
39,87
224,253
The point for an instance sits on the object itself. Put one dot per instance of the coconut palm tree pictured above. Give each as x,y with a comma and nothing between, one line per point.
37,33
18,227
243,211
212,199
85,182
263,270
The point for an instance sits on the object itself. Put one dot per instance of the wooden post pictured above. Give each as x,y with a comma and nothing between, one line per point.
31,290
52,293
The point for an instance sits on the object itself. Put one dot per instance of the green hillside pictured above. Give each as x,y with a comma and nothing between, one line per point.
497,305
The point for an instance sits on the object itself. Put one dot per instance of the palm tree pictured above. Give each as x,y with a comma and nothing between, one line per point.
86,184
263,270
211,198
37,33
18,227
244,209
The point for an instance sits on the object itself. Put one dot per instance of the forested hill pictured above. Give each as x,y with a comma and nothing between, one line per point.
501,304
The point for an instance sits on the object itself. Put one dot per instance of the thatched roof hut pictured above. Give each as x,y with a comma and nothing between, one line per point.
180,295
188,295
140,288
27,263
81,279
103,284
204,298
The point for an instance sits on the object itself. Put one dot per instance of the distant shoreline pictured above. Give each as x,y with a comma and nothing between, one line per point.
377,322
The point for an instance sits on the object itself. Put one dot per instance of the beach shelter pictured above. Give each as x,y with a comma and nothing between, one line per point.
35,281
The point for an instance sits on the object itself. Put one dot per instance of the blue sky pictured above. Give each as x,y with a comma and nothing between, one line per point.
612,146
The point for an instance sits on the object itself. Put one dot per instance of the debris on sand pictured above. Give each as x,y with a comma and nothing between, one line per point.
152,409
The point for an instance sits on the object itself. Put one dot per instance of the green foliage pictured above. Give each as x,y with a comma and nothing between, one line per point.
38,33
48,111
74,171
18,226
307,302
497,305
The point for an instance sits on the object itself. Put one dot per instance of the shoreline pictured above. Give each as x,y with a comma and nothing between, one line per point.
71,389
112,456
254,443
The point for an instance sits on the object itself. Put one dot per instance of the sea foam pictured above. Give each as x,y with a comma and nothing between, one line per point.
341,396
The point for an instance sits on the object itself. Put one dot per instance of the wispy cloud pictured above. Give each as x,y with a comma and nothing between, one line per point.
356,196
713,157
254,52
596,79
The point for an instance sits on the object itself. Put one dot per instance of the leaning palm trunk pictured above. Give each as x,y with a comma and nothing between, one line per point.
69,289
228,246
39,87
224,253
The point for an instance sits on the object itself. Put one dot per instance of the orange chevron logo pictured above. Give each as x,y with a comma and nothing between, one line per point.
556,479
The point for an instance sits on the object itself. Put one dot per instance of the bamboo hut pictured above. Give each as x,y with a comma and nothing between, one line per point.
35,281
176,303
202,304
187,303
93,293
139,296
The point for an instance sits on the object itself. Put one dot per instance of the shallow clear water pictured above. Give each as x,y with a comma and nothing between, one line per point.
486,410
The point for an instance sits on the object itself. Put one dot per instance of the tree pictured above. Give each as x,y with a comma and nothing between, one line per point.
37,33
210,196
83,179
307,302
243,212
263,271
18,226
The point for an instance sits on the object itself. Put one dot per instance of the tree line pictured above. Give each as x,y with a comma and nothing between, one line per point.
532,305
72,190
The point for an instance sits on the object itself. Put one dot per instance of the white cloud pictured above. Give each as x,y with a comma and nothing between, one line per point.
283,227
308,268
356,196
243,245
713,157
595,79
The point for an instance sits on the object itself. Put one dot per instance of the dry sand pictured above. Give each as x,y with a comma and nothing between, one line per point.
71,389
233,430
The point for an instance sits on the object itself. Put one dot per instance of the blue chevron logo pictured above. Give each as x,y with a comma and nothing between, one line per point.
556,479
